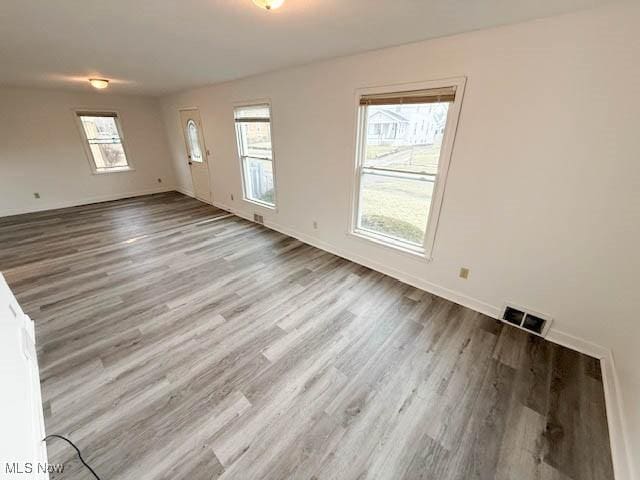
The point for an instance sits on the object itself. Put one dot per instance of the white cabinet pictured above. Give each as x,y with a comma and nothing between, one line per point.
21,416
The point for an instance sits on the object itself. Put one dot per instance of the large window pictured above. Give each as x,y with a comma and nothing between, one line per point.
253,131
404,144
103,136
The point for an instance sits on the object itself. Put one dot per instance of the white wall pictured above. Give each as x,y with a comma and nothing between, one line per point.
41,150
542,199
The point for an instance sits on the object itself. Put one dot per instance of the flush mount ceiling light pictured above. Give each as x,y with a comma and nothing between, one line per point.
269,4
99,83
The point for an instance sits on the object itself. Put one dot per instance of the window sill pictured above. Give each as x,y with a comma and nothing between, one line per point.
399,247
261,204
113,170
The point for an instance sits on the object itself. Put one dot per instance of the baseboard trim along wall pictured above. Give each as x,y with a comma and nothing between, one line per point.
613,399
86,201
616,419
188,193
620,451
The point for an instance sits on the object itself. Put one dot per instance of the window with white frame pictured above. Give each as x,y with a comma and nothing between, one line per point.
404,147
103,135
253,132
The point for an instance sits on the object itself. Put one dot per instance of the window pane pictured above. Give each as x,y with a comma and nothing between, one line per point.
108,155
253,111
100,129
405,137
256,139
194,141
258,178
253,130
395,207
104,141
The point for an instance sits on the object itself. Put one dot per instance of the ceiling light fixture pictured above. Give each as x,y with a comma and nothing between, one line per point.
269,4
99,83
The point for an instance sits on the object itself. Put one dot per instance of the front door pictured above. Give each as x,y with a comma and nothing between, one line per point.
197,155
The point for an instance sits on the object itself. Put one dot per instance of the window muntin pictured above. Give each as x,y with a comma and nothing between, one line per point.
400,154
253,132
104,139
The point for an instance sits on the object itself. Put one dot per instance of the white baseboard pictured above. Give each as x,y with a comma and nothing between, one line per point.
615,411
614,403
555,336
618,436
616,419
579,344
85,201
186,192
452,295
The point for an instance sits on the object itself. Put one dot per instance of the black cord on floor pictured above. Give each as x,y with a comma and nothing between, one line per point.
76,449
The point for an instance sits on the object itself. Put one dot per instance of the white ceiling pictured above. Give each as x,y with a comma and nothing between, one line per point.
160,46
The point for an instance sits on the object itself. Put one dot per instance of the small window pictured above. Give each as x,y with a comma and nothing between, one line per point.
193,137
403,154
104,145
253,132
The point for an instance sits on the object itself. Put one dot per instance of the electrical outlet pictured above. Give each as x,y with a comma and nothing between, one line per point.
464,273
315,225
36,195
258,218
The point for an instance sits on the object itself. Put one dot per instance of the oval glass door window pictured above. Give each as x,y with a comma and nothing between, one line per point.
194,141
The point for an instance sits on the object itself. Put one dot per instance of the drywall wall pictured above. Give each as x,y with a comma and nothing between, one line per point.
41,150
542,196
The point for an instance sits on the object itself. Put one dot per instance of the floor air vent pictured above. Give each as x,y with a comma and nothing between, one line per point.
526,319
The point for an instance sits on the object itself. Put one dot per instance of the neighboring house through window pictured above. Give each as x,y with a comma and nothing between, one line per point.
404,146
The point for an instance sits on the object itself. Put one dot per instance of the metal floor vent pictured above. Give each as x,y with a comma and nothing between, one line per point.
526,319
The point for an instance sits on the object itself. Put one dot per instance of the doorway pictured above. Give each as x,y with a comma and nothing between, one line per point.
197,154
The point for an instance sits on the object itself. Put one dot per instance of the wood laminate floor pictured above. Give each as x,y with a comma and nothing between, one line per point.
179,342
